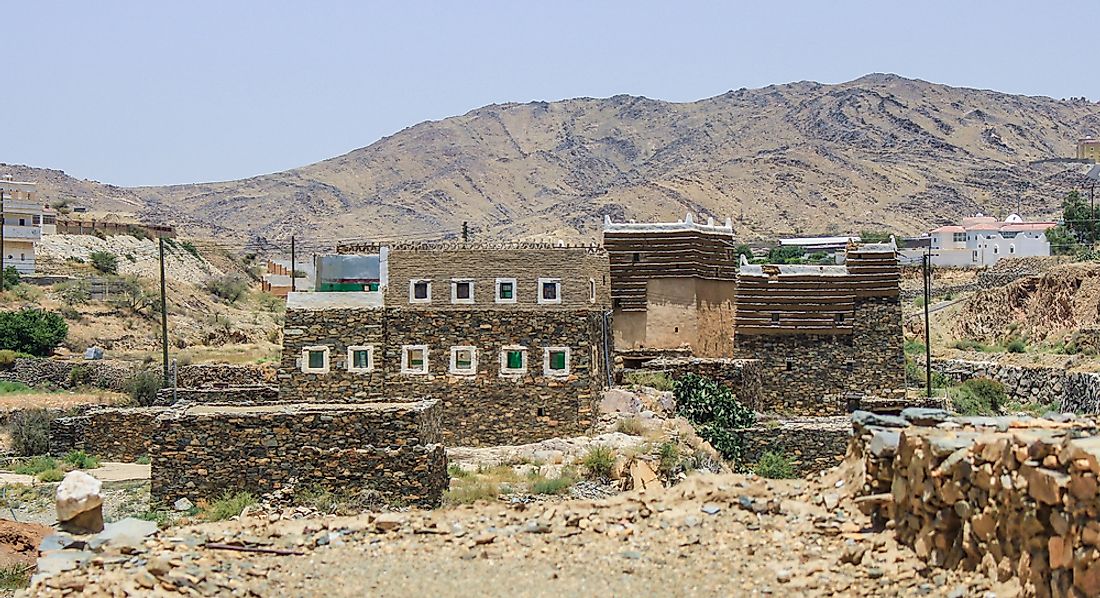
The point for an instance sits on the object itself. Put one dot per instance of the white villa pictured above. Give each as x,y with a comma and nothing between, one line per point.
22,221
980,241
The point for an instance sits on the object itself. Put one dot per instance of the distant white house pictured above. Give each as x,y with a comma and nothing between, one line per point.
22,222
980,241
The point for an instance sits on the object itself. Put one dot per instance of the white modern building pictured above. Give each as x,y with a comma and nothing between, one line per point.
980,241
22,221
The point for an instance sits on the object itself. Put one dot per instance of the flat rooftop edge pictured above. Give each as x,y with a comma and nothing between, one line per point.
306,408
335,300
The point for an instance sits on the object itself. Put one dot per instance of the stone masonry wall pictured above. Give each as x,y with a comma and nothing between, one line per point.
478,409
812,444
219,375
1014,496
819,375
111,433
244,395
33,371
742,376
1067,391
391,448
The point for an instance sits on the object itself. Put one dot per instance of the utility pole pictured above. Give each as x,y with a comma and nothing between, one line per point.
1092,216
3,272
927,326
465,232
163,315
292,286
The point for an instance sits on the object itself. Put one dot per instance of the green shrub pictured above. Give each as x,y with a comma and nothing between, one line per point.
161,517
143,387
1016,345
30,432
914,347
27,292
558,485
669,458
74,292
11,278
8,357
80,375
229,505
15,577
104,261
598,462
35,465
81,460
972,345
715,412
189,247
32,331
230,288
656,380
979,396
774,465
51,475
470,491
12,386
143,460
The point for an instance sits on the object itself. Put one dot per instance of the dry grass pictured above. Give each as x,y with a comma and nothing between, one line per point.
633,426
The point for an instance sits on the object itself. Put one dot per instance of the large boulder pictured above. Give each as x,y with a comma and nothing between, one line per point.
79,503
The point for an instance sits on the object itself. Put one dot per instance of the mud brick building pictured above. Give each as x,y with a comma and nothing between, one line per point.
825,335
672,285
514,339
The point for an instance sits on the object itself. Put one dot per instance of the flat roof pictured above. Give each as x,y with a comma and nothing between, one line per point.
207,409
335,300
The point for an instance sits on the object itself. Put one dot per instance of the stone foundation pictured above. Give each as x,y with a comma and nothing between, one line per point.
111,434
201,452
1012,496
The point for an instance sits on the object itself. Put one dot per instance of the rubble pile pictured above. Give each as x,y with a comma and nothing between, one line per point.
1008,496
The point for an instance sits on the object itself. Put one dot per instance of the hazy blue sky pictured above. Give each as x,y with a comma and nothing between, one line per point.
154,92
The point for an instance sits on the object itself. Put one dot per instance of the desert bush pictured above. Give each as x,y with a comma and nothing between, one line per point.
129,293
27,292
229,505
668,458
143,387
470,490
12,386
656,380
35,465
104,261
80,375
979,396
51,475
81,460
143,460
558,485
32,331
271,303
74,292
633,426
229,288
598,462
1016,345
8,357
11,278
15,576
967,344
30,432
774,465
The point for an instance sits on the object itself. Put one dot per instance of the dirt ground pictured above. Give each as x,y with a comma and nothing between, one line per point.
57,400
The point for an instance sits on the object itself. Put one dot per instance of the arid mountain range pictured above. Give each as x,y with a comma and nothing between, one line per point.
880,152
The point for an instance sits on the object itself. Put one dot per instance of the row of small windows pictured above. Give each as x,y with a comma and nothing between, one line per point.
462,290
463,361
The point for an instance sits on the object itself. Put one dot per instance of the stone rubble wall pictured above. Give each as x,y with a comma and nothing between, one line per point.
240,395
1013,496
222,375
812,444
1071,392
108,375
112,434
743,376
389,448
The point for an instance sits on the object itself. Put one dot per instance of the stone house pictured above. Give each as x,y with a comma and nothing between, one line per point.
514,339
672,285
826,336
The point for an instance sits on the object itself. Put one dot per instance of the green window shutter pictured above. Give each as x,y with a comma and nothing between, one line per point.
361,358
505,290
557,360
316,359
515,360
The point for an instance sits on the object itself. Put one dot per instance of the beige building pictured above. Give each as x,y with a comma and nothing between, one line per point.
1088,149
22,219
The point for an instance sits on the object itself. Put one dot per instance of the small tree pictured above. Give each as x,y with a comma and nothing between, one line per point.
104,261
30,432
785,255
74,292
143,387
11,278
715,412
229,288
32,331
874,236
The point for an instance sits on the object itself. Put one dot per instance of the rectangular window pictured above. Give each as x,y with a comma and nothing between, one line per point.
360,358
506,290
462,291
414,359
591,290
315,360
555,361
463,360
549,290
420,291
959,237
513,360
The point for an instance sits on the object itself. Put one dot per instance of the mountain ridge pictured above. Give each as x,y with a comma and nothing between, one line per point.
881,151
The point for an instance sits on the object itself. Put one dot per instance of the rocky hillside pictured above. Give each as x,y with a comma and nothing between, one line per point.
880,151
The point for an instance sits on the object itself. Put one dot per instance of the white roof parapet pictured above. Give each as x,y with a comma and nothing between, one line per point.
687,224
335,300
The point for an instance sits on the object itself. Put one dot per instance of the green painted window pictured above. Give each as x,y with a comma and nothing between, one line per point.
557,360
316,360
360,359
464,359
514,360
507,290
416,358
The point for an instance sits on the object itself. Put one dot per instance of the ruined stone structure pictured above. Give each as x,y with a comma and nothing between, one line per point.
513,339
1013,496
812,444
394,449
826,336
672,285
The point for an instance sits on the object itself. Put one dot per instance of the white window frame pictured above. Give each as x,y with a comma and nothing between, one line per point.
405,369
454,369
351,358
454,291
324,369
496,290
546,362
412,290
591,290
507,371
555,281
